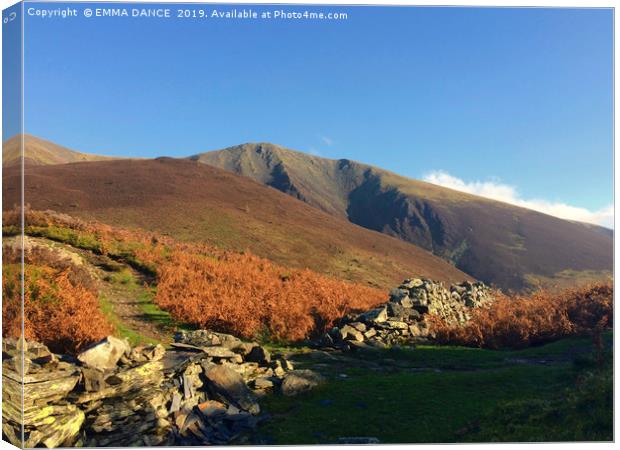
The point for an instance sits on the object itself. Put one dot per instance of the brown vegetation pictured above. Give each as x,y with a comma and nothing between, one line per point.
523,320
199,284
60,306
250,296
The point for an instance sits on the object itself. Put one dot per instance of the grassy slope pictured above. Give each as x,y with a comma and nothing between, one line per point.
495,242
192,201
434,394
41,152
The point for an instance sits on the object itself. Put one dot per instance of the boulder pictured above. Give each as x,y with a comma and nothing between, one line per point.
298,381
229,384
104,355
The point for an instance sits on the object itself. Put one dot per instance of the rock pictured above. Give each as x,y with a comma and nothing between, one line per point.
229,384
370,333
349,333
400,312
93,379
155,397
287,365
263,383
104,355
412,283
259,355
245,348
376,315
401,319
212,408
397,294
397,325
298,381
359,326
220,352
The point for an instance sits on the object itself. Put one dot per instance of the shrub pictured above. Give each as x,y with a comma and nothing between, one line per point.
60,303
208,287
522,320
250,296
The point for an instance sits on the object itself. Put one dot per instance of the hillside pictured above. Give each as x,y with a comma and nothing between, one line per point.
195,202
41,152
498,243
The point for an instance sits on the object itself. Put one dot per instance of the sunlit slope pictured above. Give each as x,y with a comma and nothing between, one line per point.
508,246
41,152
196,202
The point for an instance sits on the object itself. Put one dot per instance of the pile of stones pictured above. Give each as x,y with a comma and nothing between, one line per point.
203,390
48,418
402,318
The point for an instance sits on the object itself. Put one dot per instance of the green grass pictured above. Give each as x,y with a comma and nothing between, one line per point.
584,412
462,358
124,251
144,297
122,330
435,394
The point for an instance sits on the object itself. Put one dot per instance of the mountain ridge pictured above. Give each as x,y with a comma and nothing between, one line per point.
511,247
471,232
196,202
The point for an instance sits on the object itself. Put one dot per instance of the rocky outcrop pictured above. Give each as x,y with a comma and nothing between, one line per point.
203,390
402,318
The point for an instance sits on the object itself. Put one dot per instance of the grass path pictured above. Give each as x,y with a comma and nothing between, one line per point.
127,300
125,295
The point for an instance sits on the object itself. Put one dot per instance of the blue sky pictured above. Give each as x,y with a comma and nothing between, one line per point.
492,98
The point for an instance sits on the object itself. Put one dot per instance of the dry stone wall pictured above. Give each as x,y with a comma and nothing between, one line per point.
203,390
402,318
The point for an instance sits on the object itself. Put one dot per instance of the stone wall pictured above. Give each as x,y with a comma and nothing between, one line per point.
402,318
203,390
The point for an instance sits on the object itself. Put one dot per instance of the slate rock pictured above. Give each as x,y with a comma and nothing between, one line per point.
228,383
104,355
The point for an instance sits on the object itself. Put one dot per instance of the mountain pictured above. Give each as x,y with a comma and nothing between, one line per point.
196,202
41,152
511,247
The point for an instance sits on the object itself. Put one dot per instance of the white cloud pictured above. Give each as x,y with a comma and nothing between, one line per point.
327,141
504,193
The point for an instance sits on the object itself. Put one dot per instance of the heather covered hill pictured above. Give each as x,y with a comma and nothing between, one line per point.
195,202
509,246
41,152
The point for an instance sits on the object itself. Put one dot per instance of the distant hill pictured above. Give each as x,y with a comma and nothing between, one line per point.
41,152
498,243
196,202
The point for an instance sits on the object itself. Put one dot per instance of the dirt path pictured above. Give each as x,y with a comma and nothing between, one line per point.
132,305
126,295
